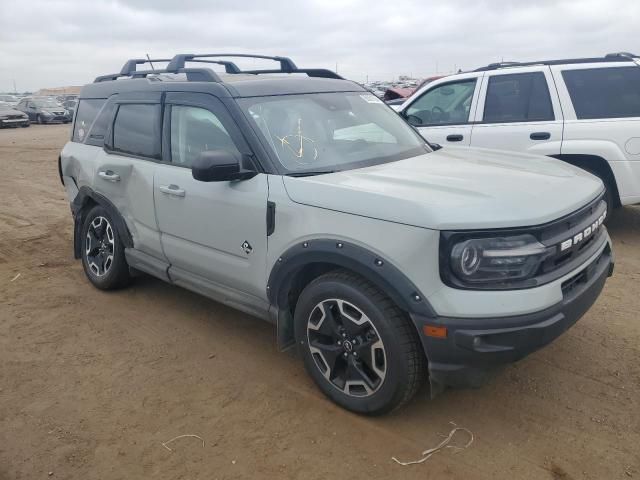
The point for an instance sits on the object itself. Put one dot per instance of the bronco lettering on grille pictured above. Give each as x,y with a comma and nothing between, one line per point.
583,235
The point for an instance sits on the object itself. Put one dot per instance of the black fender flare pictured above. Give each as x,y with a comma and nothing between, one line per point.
339,254
86,196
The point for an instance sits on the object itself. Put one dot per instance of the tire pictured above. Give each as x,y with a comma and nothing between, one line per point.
102,251
370,367
39,119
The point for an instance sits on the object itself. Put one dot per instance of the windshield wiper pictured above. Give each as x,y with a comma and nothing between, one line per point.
310,173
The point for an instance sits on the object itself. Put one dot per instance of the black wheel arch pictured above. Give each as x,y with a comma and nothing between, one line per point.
596,165
308,259
84,201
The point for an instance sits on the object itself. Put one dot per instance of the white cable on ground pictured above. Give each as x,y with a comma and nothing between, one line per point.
444,444
164,444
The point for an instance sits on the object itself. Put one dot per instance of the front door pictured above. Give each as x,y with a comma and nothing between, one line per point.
442,113
213,233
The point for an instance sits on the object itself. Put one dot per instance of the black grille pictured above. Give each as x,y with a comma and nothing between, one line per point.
554,234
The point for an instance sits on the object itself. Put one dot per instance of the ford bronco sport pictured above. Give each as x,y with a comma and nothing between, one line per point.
584,111
300,198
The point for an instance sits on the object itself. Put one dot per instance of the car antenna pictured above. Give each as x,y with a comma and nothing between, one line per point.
150,62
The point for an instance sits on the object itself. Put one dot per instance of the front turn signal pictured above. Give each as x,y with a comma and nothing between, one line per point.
435,332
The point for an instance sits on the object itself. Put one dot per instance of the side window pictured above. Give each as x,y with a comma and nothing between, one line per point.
195,130
87,111
520,97
604,92
445,104
99,128
136,130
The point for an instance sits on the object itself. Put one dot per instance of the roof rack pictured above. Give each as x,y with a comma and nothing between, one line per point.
610,57
177,65
286,64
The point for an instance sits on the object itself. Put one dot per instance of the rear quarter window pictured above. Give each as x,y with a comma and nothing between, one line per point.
604,92
136,130
87,111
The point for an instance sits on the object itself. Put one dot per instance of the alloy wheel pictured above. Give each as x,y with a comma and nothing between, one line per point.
346,347
100,246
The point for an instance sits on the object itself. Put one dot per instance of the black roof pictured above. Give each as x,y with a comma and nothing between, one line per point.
285,80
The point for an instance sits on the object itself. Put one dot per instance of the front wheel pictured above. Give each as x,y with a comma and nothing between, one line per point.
357,345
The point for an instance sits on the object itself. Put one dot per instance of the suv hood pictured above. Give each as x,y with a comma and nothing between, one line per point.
454,188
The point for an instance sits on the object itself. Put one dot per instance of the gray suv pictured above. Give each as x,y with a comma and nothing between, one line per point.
300,198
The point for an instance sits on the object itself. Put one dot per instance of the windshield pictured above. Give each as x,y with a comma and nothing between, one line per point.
45,103
5,106
332,131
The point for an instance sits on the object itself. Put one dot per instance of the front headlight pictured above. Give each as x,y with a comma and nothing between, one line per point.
485,262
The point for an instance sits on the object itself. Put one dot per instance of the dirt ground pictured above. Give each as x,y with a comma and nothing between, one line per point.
93,383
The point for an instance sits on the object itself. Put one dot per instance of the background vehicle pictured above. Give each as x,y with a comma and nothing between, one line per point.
44,110
10,99
10,117
309,203
583,111
70,106
396,101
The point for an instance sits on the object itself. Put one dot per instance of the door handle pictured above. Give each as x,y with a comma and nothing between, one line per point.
540,136
454,138
109,175
172,189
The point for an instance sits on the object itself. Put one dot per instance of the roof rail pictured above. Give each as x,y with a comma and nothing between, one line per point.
610,57
286,64
177,65
621,54
130,65
193,75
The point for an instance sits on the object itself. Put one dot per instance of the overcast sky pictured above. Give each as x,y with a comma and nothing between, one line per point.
48,43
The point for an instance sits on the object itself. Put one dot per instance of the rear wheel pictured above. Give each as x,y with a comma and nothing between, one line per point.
39,119
102,251
357,345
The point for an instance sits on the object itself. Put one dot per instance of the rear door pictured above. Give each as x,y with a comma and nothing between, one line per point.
443,112
213,233
519,111
123,171
602,118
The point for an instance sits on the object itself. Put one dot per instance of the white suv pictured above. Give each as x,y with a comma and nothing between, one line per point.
583,111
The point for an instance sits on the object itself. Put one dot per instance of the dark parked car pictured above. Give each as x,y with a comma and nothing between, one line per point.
44,110
10,117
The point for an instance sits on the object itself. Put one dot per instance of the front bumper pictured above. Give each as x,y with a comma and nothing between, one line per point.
473,347
14,122
56,119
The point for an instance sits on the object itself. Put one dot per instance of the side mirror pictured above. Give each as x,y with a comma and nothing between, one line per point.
219,166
